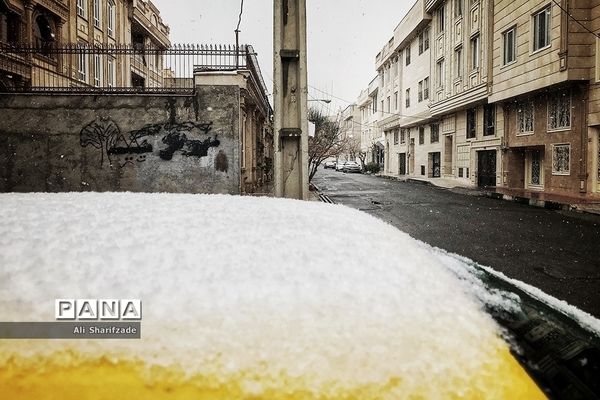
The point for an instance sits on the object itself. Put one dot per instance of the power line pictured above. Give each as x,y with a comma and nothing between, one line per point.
575,19
240,17
383,112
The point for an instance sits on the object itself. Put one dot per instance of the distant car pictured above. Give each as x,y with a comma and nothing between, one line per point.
351,166
339,166
330,164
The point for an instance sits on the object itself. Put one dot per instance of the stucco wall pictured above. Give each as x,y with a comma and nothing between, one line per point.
138,143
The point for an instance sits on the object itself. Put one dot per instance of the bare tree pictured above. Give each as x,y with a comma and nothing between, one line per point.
327,142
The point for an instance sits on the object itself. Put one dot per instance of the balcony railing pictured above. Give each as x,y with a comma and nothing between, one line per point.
119,68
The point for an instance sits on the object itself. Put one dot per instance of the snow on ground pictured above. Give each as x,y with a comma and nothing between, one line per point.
324,294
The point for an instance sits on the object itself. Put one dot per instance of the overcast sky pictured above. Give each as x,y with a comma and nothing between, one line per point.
343,37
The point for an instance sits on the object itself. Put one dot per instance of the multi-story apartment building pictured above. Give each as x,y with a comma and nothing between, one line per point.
542,69
460,67
46,25
372,140
411,135
350,128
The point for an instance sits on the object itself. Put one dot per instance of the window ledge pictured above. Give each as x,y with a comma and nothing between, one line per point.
565,129
508,65
540,50
525,134
561,173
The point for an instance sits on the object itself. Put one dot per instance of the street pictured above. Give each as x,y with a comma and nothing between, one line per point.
556,251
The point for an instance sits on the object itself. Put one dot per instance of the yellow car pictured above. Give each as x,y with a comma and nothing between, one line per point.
240,298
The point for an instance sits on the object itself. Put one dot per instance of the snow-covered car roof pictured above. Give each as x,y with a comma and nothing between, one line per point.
243,297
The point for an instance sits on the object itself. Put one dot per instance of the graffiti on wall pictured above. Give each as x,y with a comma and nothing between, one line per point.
187,138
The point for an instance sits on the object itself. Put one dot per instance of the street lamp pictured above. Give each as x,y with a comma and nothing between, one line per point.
327,101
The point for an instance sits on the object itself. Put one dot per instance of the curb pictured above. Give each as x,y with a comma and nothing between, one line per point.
546,204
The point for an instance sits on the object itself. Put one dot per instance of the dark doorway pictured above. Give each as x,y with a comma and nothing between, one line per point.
137,81
436,165
486,162
402,164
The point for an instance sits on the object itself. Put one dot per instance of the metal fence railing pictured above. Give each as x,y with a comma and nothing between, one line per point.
117,68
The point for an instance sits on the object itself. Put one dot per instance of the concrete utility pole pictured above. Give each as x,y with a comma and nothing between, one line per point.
290,99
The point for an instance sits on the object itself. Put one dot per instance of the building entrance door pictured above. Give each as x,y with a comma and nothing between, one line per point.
436,165
486,168
402,164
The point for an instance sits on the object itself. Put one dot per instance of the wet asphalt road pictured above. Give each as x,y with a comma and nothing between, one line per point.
556,251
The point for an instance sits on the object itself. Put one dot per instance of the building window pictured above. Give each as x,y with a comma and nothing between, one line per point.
489,120
82,65
535,178
510,45
426,88
111,15
434,133
561,159
439,73
10,26
423,170
374,104
423,41
395,101
525,118
471,123
421,135
402,136
111,78
458,8
82,8
420,93
426,39
441,18
396,137
407,100
458,63
388,104
97,14
475,52
408,55
461,173
541,29
97,70
559,111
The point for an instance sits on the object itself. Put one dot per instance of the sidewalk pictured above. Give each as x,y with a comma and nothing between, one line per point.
445,183
531,197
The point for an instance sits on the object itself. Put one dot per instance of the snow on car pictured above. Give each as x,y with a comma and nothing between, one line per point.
243,298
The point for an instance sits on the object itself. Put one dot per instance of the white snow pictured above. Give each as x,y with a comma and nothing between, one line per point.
228,283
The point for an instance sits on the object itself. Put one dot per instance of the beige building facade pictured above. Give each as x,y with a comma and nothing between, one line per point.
371,138
460,67
66,39
544,80
350,129
413,146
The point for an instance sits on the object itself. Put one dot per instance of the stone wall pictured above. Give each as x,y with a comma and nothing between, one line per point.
137,143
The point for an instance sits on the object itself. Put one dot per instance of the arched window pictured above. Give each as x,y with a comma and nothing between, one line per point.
112,16
154,20
44,34
10,24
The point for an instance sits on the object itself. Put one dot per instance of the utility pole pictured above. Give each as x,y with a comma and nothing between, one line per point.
290,93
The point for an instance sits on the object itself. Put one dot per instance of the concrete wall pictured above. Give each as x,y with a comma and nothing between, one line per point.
138,143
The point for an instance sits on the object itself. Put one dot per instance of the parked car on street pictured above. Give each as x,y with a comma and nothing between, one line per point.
339,165
330,164
351,166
